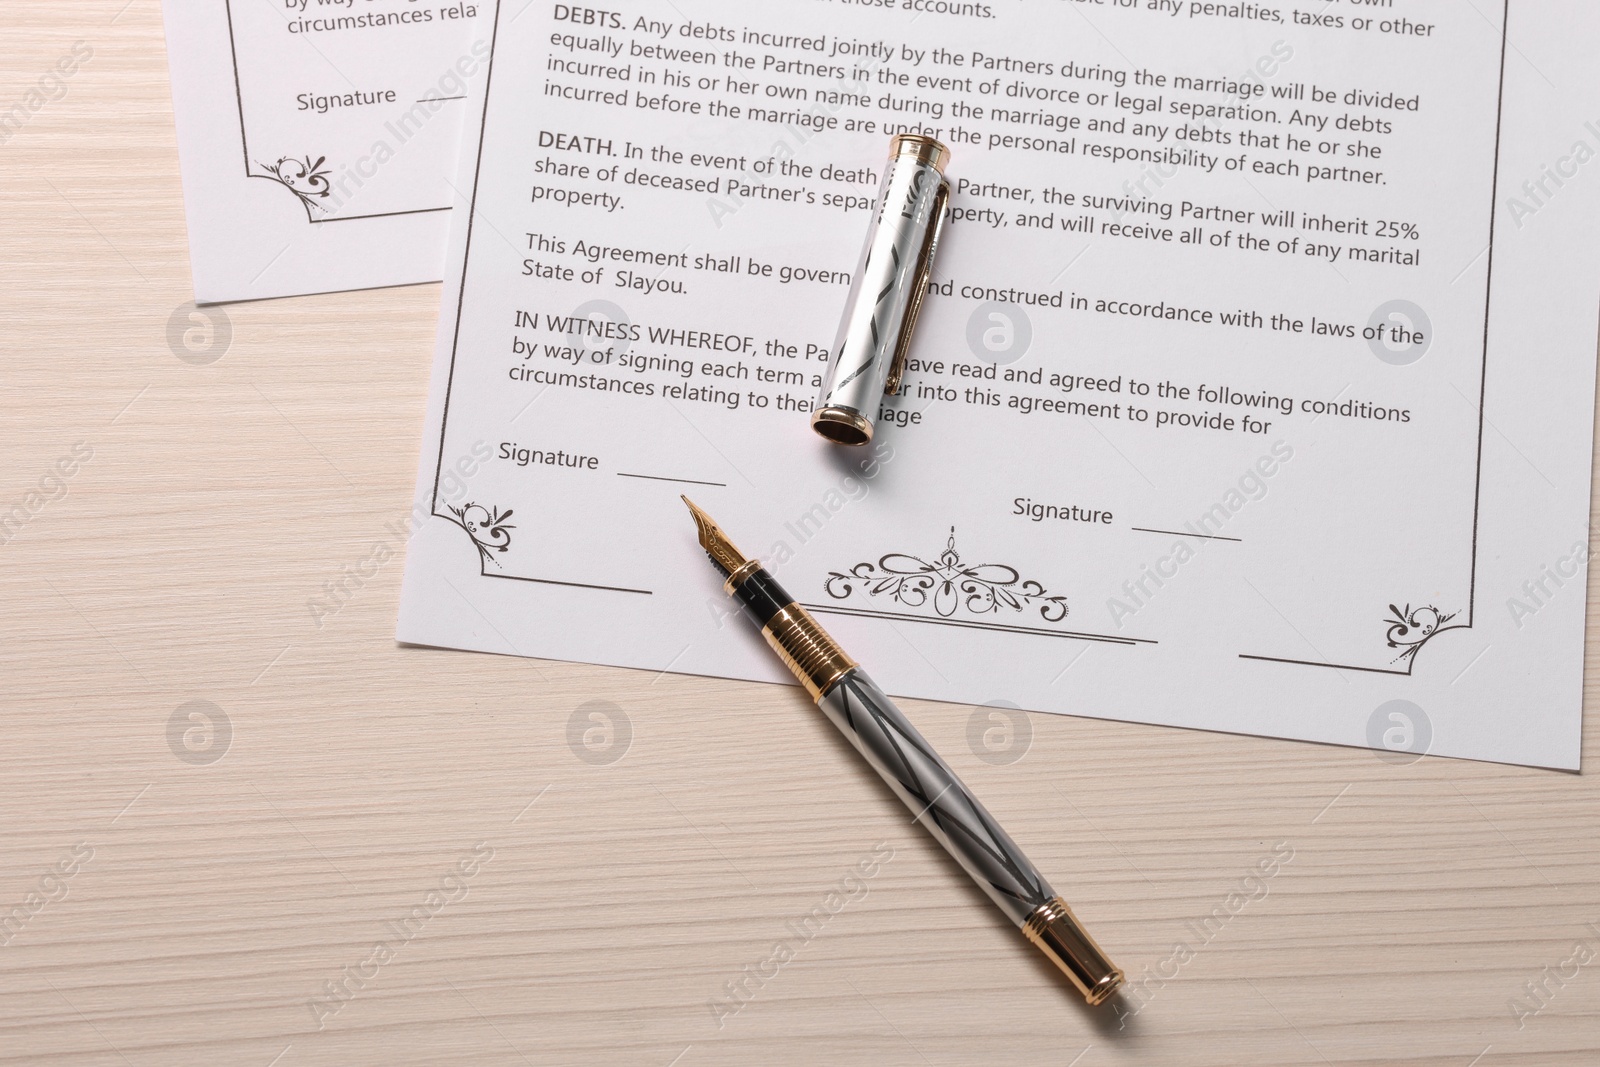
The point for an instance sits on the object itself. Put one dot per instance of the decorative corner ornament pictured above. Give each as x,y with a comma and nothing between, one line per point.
487,527
305,178
1410,629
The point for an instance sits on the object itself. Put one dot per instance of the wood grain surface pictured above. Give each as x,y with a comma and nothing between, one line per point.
367,854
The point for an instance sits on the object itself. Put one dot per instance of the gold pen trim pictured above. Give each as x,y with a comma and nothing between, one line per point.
842,426
806,649
738,575
919,290
814,658
924,149
1059,935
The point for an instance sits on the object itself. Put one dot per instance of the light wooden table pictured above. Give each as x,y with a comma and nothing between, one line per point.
210,906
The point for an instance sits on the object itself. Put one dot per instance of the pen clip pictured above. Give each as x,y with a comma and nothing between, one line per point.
924,273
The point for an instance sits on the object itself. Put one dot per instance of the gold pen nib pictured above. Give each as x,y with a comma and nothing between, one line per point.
721,550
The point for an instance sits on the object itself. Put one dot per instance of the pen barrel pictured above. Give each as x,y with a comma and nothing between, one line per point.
942,803
886,292
903,758
935,795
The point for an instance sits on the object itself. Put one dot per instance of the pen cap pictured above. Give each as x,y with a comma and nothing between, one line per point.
886,293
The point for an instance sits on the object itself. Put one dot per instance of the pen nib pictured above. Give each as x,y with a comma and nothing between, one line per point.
721,550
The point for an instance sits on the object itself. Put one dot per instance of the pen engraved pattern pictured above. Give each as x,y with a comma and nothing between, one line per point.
877,341
931,790
881,292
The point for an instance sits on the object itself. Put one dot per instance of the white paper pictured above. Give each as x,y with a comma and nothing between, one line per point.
319,138
1380,565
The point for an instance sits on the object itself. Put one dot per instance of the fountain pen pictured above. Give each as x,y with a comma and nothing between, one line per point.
913,770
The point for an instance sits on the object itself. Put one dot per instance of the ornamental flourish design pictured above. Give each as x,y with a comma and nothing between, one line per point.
1410,629
487,527
305,178
948,584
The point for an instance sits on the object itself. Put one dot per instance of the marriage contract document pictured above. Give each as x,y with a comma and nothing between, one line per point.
319,137
1253,392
